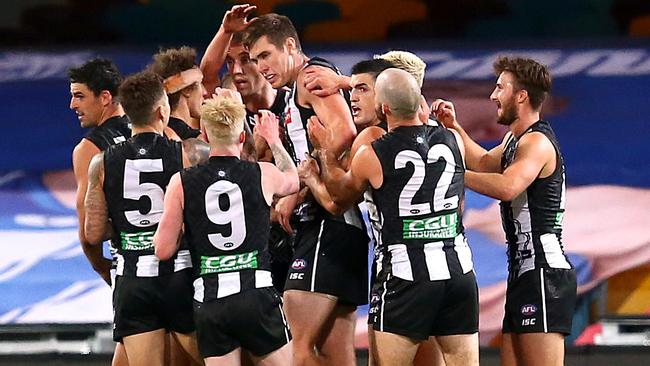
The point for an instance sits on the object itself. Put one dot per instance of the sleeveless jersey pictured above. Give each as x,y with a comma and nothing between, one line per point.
182,129
113,131
279,103
533,220
295,120
227,227
419,204
136,174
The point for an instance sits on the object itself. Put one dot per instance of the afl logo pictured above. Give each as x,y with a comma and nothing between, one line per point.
528,309
299,264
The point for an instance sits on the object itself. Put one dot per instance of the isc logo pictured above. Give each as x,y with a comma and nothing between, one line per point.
525,322
296,276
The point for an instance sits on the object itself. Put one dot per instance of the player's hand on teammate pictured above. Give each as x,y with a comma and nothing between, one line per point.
320,137
284,209
266,126
444,112
235,19
228,93
308,170
322,81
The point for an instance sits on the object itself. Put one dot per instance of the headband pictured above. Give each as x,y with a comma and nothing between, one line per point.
182,80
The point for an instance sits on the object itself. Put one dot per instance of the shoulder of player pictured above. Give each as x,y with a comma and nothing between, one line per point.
368,135
84,151
535,143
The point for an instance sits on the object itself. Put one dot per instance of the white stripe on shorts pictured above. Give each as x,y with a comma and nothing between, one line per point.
541,280
313,270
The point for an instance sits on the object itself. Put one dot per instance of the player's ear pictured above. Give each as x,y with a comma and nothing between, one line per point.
242,137
105,97
290,44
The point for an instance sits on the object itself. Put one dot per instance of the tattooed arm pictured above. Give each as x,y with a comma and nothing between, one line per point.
195,152
96,222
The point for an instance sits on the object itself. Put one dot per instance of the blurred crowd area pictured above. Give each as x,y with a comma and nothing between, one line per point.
61,22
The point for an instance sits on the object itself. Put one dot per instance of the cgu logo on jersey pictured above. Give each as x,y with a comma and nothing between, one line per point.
437,227
228,263
137,241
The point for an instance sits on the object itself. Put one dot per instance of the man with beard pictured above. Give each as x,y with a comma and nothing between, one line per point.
526,172
328,275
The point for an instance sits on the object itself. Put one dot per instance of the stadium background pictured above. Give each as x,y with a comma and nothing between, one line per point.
53,304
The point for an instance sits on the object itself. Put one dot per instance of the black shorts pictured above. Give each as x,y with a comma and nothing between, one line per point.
144,304
542,300
330,257
419,310
253,320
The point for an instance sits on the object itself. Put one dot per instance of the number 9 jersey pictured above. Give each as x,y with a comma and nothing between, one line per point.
227,227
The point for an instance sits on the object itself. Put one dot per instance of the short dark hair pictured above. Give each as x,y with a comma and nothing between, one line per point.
139,93
171,62
277,28
373,67
97,74
238,38
530,76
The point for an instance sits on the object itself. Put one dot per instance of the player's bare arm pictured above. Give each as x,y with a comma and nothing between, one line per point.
282,179
477,158
96,223
322,81
535,158
233,21
333,112
195,152
346,188
309,174
81,157
167,237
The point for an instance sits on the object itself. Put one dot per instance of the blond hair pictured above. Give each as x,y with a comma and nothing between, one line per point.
223,119
408,62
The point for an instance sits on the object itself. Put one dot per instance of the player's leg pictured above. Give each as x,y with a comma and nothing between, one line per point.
508,357
280,357
307,314
537,349
187,347
429,354
337,343
232,358
119,356
146,348
460,349
392,349
372,351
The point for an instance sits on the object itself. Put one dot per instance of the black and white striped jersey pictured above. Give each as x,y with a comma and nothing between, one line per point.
298,144
419,204
227,227
136,174
533,220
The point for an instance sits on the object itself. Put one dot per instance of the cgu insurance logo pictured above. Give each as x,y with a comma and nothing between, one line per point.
437,227
228,263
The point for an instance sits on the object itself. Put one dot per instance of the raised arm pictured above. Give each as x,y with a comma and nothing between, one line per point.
476,157
233,21
167,237
535,157
282,179
333,111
